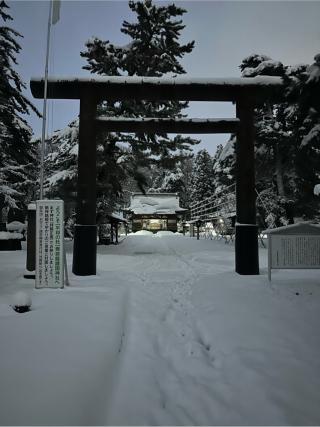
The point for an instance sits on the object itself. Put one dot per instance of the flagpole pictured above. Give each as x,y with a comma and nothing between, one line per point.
44,111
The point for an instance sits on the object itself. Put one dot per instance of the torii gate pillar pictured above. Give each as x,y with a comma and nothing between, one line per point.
246,245
85,236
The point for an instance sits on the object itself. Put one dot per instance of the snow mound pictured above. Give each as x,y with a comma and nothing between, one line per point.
143,233
164,233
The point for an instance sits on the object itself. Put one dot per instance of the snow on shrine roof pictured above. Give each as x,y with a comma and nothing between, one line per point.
118,217
155,203
296,229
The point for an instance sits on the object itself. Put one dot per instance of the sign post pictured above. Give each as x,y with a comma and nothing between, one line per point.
31,243
49,244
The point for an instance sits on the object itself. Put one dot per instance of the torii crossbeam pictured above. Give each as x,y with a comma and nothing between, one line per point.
245,92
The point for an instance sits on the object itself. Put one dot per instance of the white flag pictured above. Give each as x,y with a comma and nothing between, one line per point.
55,11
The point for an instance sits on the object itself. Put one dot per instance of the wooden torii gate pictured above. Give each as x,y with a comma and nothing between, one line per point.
245,92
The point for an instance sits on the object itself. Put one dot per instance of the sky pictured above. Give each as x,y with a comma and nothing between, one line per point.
225,32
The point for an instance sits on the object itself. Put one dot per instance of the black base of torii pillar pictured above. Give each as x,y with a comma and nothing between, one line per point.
85,236
246,243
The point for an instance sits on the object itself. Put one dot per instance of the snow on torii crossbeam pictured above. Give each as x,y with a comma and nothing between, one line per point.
245,92
154,88
153,125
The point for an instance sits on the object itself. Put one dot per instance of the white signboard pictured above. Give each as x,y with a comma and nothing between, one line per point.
295,252
49,244
294,246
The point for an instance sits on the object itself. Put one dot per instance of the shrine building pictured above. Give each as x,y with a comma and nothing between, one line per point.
155,211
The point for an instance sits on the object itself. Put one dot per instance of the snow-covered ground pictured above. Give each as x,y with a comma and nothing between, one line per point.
165,334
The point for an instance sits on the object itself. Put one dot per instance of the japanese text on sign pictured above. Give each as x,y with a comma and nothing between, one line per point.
295,252
49,244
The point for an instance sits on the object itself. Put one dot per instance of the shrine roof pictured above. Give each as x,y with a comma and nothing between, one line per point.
155,203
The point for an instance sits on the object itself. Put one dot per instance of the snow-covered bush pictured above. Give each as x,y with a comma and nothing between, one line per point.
21,302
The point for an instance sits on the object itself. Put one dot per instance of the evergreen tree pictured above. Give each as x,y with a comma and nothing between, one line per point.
61,169
154,50
186,166
61,165
168,181
202,178
224,162
17,154
177,180
275,145
303,92
287,140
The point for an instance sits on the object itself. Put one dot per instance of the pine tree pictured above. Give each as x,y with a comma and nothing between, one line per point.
275,144
202,178
17,154
287,140
186,165
153,50
224,162
287,143
61,169
61,165
177,180
303,92
168,181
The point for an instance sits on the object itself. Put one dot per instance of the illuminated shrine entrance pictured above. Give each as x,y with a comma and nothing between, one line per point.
154,224
246,93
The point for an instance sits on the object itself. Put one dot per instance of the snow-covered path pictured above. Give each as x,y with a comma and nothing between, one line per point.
165,334
162,332
205,347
